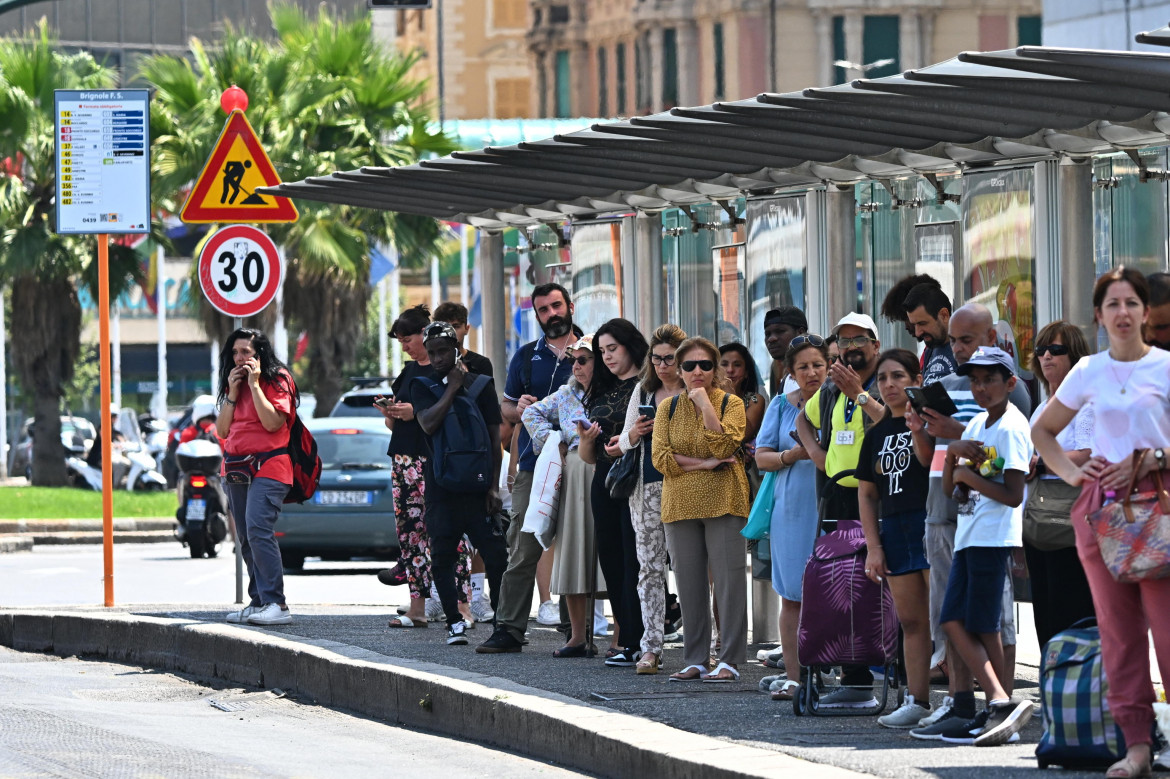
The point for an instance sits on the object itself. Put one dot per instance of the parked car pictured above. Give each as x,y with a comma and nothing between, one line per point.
359,401
352,513
77,436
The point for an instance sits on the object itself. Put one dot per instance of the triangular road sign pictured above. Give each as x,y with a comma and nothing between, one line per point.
226,189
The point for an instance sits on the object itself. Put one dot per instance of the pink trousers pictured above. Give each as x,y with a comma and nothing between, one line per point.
1125,612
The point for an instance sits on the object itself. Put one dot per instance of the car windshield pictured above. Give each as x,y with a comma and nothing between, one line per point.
356,406
352,449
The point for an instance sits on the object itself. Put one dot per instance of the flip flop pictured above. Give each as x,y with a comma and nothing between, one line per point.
580,650
685,674
787,691
404,621
716,676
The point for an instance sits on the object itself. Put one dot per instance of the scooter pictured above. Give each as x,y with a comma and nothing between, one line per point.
203,507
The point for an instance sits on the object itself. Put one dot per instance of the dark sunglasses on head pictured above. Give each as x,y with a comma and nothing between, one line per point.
582,359
662,359
704,365
1057,350
811,339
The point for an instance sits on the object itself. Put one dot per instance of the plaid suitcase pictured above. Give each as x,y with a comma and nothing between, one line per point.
1079,731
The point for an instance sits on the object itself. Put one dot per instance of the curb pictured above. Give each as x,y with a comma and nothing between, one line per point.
41,526
428,696
16,544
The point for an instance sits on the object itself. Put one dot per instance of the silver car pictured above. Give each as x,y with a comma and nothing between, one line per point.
352,512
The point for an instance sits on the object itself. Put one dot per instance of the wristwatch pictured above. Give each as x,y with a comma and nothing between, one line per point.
1160,458
862,398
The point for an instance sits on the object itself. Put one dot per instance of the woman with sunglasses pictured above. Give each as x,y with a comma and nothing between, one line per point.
794,510
574,547
1060,591
704,506
659,381
621,348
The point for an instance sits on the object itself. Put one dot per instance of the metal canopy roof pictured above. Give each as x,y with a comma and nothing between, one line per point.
976,109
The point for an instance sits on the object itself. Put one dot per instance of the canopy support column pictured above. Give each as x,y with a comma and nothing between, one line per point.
492,301
1075,222
648,270
841,280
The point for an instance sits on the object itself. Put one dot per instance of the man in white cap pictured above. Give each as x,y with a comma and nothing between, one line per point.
832,428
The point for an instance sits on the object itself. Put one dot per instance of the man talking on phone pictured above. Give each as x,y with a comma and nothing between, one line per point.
969,328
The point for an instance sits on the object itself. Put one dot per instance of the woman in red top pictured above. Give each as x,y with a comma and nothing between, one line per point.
258,401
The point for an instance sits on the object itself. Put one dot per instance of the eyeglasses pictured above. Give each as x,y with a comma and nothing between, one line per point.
1056,350
810,338
704,365
582,359
662,359
851,343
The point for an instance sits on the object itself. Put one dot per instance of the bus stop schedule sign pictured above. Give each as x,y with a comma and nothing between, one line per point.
103,160
240,270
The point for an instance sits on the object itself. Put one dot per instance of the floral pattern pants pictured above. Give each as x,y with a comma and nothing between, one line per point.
646,516
413,542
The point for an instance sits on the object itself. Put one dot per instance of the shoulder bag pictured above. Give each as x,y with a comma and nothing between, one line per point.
1048,514
1133,533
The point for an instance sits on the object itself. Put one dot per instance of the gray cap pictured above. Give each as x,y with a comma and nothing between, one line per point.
988,356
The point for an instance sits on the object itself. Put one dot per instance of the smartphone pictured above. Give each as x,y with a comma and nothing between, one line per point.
932,396
648,411
385,402
795,437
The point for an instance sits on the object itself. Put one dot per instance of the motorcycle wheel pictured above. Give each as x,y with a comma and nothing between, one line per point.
198,545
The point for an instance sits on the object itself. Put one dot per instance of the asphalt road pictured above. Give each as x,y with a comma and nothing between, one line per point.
69,718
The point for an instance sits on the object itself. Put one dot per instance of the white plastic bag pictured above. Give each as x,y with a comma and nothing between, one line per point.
541,517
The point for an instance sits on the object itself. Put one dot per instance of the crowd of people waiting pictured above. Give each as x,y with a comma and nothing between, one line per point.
688,427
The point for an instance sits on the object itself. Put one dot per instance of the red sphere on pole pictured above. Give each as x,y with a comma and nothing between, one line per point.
233,98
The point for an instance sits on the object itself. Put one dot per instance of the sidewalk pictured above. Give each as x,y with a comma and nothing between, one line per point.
577,712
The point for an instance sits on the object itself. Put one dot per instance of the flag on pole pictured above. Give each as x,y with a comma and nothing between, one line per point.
475,308
383,259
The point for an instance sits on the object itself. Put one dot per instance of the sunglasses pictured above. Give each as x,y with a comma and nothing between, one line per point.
704,365
582,359
859,342
1057,350
662,359
810,339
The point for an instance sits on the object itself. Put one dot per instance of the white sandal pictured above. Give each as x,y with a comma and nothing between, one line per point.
714,678
787,691
679,676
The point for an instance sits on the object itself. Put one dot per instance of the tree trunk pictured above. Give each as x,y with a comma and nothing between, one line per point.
46,316
332,310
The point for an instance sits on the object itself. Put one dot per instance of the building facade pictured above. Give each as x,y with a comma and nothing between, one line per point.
1098,25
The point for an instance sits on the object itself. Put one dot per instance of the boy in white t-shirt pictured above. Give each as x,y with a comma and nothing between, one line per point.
986,467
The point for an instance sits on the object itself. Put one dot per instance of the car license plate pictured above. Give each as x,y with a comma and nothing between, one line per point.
344,498
197,509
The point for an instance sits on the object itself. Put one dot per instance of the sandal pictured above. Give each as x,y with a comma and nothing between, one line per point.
404,621
789,690
648,664
613,651
579,650
717,676
1127,769
692,673
939,674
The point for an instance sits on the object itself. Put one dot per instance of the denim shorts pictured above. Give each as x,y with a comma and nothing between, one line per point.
975,591
902,536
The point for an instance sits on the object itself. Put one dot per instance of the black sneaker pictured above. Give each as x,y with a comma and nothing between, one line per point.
457,634
393,576
626,658
1005,721
948,724
501,642
966,734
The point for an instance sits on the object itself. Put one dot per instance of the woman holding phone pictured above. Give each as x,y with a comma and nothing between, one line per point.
659,380
257,405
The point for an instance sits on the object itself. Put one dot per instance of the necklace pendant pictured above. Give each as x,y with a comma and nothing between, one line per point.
1123,390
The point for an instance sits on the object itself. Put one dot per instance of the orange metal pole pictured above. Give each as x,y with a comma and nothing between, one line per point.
107,432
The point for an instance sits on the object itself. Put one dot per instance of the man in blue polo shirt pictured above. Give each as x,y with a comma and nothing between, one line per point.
537,370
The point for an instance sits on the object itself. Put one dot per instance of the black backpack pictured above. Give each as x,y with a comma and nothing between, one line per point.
461,457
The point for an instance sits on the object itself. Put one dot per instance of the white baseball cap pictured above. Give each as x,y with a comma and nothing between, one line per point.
864,321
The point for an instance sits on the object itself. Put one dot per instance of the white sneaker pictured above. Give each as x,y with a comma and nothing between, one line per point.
271,614
549,613
938,713
434,610
237,617
906,716
481,610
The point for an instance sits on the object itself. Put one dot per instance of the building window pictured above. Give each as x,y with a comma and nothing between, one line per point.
400,23
602,83
1028,31
669,68
558,14
640,99
720,85
564,104
509,15
619,54
510,98
839,73
880,41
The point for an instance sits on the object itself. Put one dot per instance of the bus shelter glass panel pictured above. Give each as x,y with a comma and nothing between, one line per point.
999,262
688,272
777,235
1130,216
531,258
730,293
597,273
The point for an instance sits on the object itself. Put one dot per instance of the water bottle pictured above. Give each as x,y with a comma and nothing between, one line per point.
1110,497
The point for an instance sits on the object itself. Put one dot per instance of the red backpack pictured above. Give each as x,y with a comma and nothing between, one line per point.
306,464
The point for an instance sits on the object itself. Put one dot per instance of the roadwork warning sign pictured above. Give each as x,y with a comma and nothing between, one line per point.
226,189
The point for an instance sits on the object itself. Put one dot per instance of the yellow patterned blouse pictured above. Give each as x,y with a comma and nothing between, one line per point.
700,494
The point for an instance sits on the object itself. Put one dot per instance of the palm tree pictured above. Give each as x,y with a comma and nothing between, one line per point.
41,267
326,96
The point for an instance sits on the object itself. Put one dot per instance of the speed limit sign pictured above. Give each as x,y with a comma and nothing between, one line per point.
240,270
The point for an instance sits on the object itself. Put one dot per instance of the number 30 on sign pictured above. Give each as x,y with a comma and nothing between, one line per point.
240,270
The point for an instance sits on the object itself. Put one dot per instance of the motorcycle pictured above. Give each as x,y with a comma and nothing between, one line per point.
142,473
203,507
